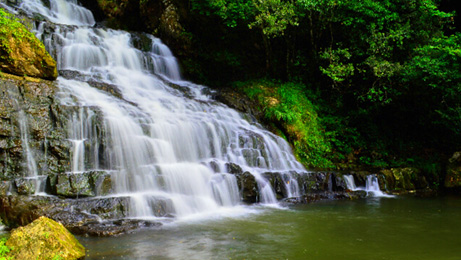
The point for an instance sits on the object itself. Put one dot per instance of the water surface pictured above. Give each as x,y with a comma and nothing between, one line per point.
374,228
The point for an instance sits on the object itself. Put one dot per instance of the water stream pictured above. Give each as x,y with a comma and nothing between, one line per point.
158,136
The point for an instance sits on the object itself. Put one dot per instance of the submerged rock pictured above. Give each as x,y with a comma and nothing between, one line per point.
44,239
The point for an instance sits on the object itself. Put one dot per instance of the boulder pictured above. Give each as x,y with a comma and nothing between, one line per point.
21,53
44,239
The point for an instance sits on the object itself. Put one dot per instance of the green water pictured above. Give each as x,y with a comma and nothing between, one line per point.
386,228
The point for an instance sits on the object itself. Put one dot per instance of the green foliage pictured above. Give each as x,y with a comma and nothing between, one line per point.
386,79
288,104
336,69
434,73
231,12
274,16
4,250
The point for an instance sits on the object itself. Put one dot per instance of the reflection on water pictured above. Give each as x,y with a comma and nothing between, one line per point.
375,228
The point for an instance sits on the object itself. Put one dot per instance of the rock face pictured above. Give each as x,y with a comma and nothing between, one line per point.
21,53
44,239
32,127
453,177
162,18
402,179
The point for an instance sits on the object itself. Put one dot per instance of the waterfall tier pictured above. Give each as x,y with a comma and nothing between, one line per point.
138,131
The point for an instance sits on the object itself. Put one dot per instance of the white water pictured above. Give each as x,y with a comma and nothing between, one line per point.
349,179
371,186
156,141
32,173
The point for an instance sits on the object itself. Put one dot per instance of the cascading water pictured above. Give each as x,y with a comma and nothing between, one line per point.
371,185
156,141
350,182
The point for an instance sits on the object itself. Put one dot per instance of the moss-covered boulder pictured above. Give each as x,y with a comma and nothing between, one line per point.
21,53
453,177
44,239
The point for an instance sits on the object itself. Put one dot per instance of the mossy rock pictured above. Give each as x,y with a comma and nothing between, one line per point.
403,179
453,177
21,53
44,239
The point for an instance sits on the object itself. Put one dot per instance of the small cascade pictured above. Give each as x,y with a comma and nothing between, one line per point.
164,63
60,11
291,185
31,164
349,179
371,185
32,177
160,138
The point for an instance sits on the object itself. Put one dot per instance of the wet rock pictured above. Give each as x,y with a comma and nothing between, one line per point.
234,168
277,183
317,196
4,187
248,187
239,102
453,176
85,184
402,180
161,207
339,183
113,228
214,166
22,210
101,183
44,239
74,185
25,186
28,109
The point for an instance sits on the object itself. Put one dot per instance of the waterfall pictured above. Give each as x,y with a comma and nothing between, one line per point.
371,185
31,164
349,179
154,133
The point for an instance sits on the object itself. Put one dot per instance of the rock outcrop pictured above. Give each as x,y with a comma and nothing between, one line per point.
32,127
453,177
44,239
21,53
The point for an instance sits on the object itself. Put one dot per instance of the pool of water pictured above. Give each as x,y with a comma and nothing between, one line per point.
374,228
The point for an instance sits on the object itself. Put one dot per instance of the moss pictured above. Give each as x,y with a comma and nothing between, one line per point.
21,53
293,116
44,239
